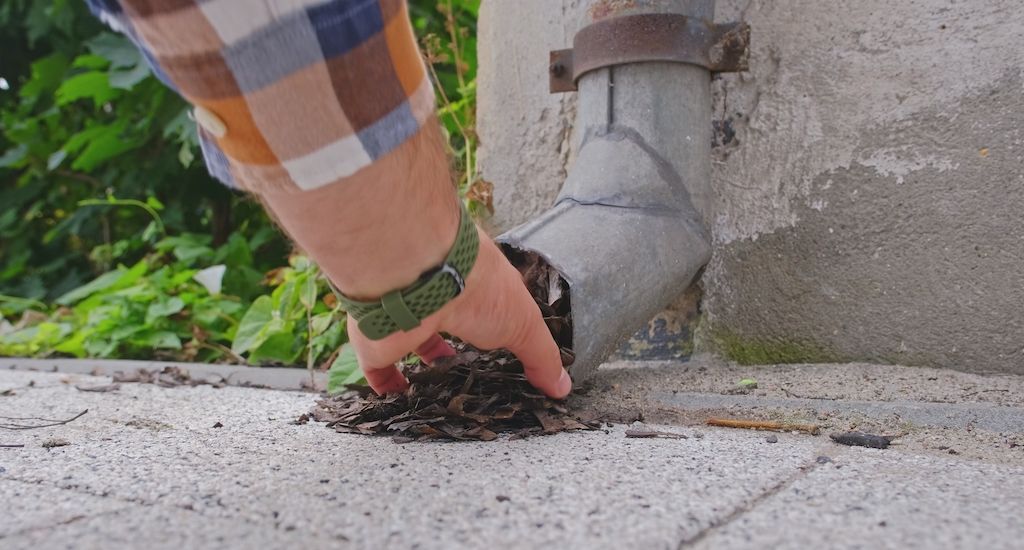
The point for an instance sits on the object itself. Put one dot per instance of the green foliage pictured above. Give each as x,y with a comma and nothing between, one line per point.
292,321
448,39
114,240
344,371
769,351
84,119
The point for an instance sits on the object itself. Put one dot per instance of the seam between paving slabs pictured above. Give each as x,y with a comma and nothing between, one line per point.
128,500
748,506
60,524
84,490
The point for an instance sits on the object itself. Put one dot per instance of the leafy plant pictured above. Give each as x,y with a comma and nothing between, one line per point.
449,44
344,371
115,242
82,119
292,322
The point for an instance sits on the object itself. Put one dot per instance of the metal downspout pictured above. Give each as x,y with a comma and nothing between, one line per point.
629,229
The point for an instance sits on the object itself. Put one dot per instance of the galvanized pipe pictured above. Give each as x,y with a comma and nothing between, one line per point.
628,231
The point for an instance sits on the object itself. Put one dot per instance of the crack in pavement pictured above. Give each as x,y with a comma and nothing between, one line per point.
291,531
85,490
749,505
69,521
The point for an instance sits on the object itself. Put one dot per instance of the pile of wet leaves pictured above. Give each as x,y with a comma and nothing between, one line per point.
472,395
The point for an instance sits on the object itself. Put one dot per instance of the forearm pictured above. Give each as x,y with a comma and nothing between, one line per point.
325,112
380,228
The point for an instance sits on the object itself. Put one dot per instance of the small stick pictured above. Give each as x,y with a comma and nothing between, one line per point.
31,427
9,446
646,432
981,391
812,429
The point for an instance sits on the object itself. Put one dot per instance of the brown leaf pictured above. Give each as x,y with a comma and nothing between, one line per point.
103,388
482,192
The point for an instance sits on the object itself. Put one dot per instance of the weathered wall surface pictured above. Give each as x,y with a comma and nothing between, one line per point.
869,174
525,131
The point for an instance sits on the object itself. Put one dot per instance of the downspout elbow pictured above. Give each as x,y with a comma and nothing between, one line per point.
628,230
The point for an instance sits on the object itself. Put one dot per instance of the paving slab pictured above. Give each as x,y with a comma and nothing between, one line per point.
147,459
156,527
43,506
591,489
867,498
234,375
985,416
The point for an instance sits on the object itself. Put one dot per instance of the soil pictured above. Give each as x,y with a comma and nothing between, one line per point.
627,391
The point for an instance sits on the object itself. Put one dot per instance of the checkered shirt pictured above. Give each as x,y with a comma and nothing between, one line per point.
306,92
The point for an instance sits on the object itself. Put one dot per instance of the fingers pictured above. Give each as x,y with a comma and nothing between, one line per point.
377,358
540,357
434,348
386,380
497,311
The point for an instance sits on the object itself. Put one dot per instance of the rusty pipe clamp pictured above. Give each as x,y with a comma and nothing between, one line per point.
650,37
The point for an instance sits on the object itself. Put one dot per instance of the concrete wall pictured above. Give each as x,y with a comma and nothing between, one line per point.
868,169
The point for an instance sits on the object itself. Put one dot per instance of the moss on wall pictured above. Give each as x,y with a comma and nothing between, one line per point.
768,351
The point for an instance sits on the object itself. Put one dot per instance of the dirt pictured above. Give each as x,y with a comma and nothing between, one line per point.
148,424
626,391
168,377
849,381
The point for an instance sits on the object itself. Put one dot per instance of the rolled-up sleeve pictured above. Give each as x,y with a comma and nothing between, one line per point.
288,95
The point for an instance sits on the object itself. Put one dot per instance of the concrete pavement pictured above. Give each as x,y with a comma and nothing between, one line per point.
145,467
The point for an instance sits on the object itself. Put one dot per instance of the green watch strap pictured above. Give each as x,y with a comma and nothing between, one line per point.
404,309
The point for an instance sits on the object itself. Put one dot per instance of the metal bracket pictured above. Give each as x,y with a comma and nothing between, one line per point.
650,37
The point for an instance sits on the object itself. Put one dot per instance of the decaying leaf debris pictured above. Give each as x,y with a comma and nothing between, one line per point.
474,395
168,377
470,396
550,292
861,439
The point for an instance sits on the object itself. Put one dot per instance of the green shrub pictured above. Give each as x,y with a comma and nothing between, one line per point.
109,221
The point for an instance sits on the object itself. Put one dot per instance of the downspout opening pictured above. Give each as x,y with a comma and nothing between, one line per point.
551,292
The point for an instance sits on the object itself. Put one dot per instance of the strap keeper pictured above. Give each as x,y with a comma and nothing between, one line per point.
395,308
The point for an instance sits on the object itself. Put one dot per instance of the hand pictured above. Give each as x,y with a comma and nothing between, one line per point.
380,228
494,311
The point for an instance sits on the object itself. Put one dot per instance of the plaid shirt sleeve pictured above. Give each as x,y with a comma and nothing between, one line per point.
288,94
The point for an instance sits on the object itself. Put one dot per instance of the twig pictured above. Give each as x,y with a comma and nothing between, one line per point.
15,446
812,429
647,432
981,391
80,177
99,389
32,427
326,364
798,396
469,379
238,359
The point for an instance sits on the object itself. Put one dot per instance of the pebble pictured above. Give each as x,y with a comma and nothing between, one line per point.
772,438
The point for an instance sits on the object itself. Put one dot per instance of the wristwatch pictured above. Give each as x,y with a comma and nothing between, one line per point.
403,309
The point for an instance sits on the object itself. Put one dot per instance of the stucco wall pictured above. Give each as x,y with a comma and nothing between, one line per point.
868,171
